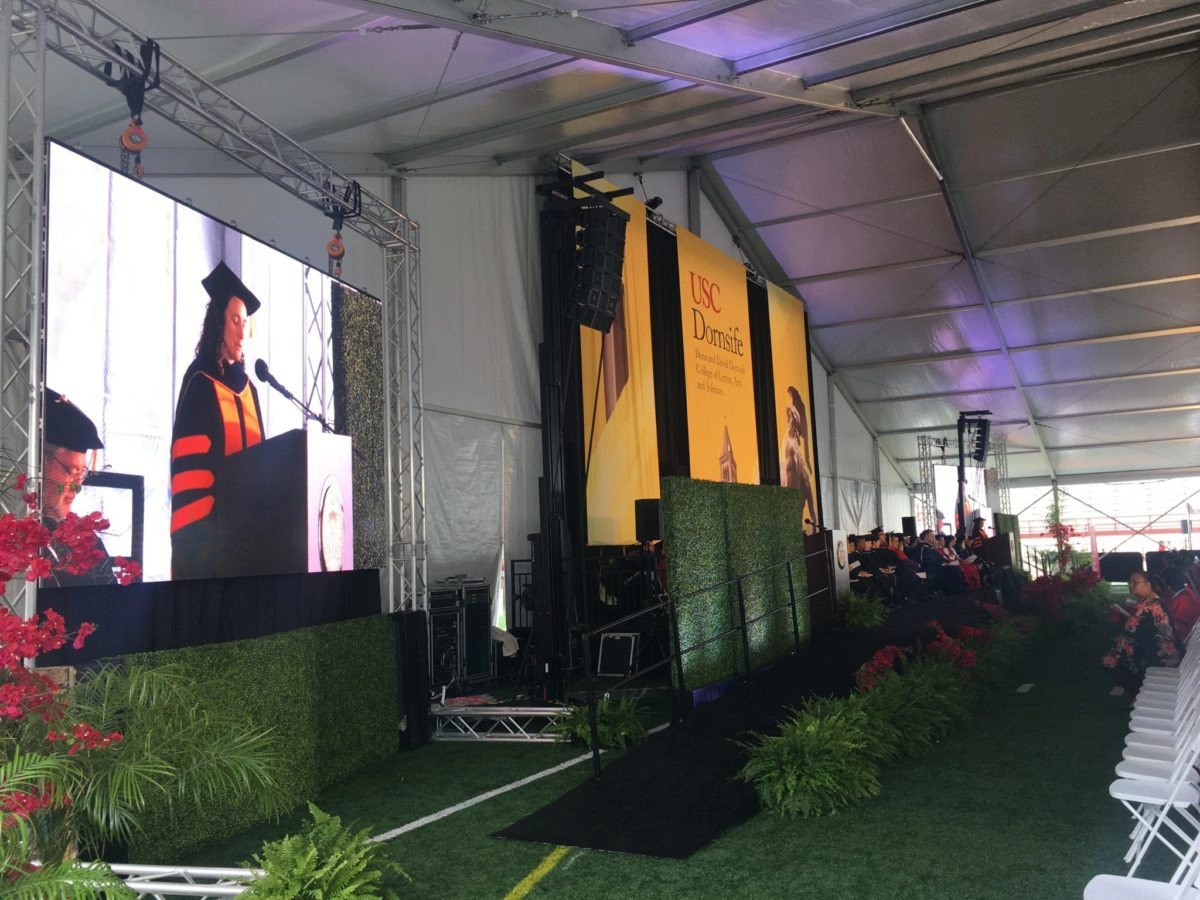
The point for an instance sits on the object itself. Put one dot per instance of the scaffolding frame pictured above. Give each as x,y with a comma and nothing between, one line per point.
85,35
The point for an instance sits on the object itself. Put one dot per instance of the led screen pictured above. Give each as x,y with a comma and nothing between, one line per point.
231,477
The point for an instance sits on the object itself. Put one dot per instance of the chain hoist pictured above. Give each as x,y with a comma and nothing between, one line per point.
349,207
138,75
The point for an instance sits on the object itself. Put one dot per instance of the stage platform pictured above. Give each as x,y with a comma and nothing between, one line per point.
675,792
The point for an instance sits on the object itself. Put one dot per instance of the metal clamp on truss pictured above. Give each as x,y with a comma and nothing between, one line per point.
139,75
350,207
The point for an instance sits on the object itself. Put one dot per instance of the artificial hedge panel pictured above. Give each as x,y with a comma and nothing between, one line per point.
329,693
754,545
693,514
714,531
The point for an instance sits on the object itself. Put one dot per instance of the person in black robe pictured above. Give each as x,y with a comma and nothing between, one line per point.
69,443
217,416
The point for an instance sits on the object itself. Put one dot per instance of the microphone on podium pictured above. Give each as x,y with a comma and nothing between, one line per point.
265,376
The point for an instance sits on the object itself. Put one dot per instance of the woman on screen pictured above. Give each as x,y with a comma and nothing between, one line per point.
217,416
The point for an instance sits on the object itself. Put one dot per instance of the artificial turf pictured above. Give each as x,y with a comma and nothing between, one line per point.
1015,805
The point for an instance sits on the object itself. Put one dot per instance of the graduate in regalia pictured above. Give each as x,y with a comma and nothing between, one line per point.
217,416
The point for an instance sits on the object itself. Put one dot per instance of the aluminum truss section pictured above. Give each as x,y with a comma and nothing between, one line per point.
1000,464
22,129
84,34
87,36
511,724
317,340
407,573
924,490
184,881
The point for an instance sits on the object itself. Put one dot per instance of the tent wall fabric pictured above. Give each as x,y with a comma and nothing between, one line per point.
481,309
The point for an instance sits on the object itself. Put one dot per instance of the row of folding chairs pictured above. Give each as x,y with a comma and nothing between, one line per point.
1158,782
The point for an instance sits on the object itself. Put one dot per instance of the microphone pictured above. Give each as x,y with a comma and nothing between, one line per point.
265,376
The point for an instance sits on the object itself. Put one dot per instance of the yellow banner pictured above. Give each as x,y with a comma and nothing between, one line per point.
722,435
620,434
789,353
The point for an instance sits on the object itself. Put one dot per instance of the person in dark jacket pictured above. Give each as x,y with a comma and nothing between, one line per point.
217,416
69,444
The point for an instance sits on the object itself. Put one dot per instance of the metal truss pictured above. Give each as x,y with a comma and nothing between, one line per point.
22,127
999,451
924,491
179,881
87,36
406,459
317,387
511,724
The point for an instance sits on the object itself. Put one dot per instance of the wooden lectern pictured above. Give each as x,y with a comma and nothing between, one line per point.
285,505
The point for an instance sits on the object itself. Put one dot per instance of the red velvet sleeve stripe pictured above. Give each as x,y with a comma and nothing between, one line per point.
191,513
189,445
194,480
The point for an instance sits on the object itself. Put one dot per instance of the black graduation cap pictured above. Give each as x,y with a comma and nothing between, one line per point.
67,426
222,284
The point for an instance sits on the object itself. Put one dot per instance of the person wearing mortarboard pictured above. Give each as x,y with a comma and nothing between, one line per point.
217,415
69,444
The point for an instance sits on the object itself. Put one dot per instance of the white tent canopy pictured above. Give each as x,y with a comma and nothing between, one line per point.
984,203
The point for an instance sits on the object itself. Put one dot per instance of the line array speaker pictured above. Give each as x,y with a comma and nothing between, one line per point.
599,256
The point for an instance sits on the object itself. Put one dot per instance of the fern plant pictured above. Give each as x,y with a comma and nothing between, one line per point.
817,764
325,861
861,611
176,744
618,724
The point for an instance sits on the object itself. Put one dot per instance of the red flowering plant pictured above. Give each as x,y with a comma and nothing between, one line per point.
80,766
43,744
881,664
945,647
995,610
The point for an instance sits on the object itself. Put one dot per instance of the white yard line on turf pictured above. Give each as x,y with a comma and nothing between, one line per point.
467,804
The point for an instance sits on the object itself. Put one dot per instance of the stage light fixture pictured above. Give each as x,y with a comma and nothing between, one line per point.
654,203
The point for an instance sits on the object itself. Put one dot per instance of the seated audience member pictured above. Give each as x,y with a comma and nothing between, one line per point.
1148,638
978,536
906,569
1183,603
863,575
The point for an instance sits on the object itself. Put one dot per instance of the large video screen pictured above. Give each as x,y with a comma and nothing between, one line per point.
164,328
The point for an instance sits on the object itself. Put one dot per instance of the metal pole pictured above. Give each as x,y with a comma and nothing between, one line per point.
792,595
591,702
681,689
745,630
962,477
835,500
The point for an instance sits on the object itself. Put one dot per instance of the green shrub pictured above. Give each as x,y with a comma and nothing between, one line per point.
817,764
861,611
716,531
328,694
326,861
618,724
886,709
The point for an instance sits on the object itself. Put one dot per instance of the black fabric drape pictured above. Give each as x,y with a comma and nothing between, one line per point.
764,383
164,615
666,335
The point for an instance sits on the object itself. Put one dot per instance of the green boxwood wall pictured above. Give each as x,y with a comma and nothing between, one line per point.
330,693
714,532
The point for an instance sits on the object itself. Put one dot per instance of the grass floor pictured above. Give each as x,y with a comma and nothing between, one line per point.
1013,806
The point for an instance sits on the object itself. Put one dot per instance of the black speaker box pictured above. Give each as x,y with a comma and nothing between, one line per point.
648,516
412,671
600,254
909,524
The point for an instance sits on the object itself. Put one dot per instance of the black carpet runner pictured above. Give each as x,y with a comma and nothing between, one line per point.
675,792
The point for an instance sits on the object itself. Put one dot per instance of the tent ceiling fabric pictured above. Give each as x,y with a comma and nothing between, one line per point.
1053,276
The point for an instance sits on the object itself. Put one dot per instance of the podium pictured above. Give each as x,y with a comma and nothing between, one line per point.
284,505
